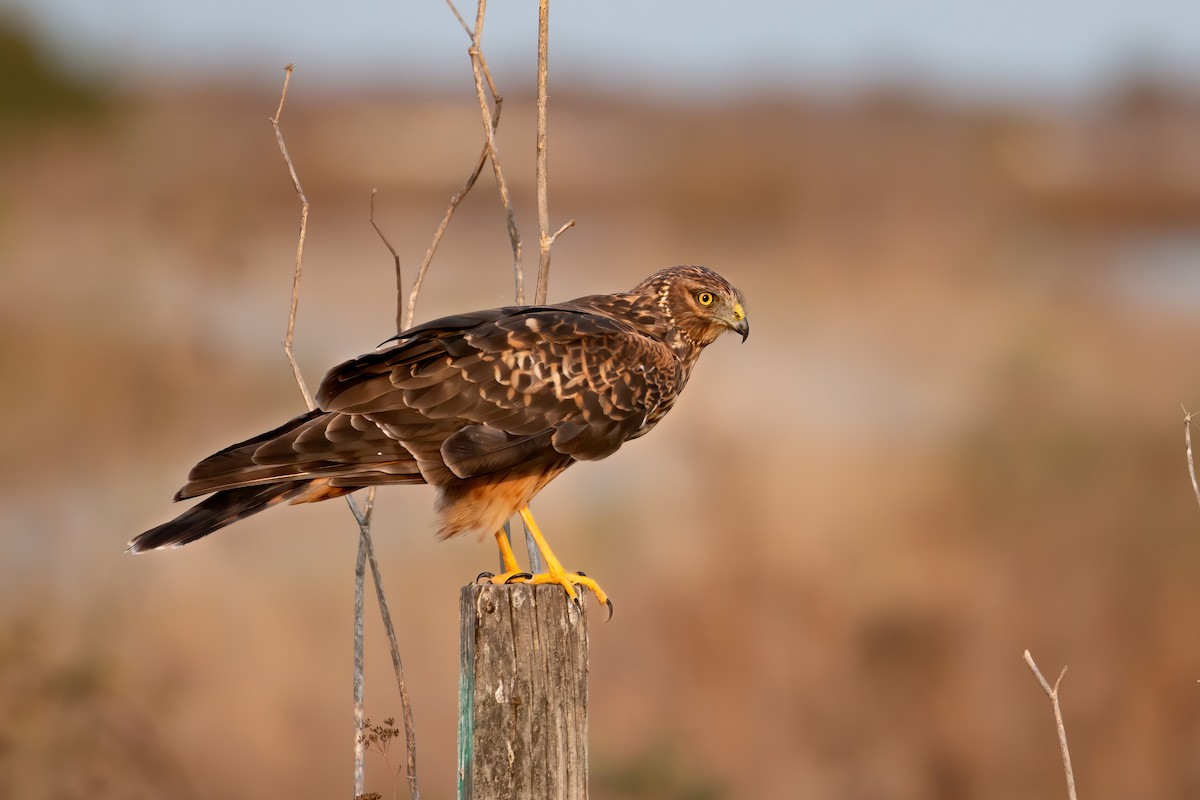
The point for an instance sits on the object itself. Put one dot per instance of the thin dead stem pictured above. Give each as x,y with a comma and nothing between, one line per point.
361,516
454,201
543,208
1052,693
1187,439
498,102
396,261
487,73
460,19
545,238
364,527
489,133
291,326
360,569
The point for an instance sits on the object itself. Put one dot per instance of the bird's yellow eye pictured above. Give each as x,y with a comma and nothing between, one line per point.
705,298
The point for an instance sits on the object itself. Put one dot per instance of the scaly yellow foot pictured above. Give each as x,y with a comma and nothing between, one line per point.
555,573
512,571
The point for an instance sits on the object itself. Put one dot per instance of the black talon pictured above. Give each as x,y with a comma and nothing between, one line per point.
527,576
581,574
484,574
609,605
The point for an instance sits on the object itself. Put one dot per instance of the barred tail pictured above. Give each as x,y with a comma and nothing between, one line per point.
215,512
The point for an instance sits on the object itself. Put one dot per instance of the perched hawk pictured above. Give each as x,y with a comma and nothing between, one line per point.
488,407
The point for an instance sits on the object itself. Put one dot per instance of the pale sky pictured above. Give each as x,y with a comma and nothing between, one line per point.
1015,46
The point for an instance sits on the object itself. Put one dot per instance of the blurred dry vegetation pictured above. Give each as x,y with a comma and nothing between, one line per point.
954,434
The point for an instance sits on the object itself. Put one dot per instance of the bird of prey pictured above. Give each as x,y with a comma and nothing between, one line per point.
488,407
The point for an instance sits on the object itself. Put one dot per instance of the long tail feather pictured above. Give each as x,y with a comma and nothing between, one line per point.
215,512
235,466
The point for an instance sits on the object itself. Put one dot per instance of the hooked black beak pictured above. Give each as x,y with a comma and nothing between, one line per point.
743,327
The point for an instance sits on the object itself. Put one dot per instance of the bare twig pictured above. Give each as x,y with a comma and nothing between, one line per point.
489,133
291,327
479,65
366,548
459,17
364,527
554,236
454,201
1187,438
498,103
543,208
487,73
1052,693
362,517
545,238
360,719
395,260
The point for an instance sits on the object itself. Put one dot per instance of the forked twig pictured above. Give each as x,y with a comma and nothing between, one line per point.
491,121
395,260
498,102
487,73
1052,693
459,17
364,527
360,716
363,518
545,238
291,327
489,133
366,550
454,201
1187,439
479,69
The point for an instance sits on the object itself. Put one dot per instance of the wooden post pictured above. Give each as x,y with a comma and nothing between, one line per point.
522,726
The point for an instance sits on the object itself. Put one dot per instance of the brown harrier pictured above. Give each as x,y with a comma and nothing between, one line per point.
488,407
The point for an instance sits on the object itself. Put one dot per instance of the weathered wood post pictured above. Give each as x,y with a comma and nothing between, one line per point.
522,726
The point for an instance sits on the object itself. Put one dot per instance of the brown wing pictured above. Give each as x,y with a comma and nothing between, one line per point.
462,397
523,382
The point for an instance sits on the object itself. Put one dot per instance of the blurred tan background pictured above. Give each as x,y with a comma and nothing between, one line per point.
954,434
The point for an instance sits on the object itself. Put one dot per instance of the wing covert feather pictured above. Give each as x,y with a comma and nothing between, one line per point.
568,380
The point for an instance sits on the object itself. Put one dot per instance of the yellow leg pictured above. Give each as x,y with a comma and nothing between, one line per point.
554,569
512,571
506,554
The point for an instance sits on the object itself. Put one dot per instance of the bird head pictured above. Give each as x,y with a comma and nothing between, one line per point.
699,303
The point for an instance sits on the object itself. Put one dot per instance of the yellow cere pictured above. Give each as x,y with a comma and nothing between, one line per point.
738,312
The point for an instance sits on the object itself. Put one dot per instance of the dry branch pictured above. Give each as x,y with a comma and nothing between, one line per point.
489,132
1187,439
545,238
395,260
291,327
366,550
480,71
364,526
498,102
460,19
1052,693
362,517
454,201
360,717
489,151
